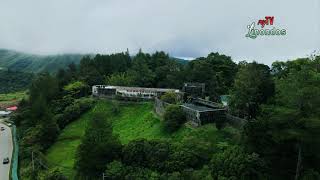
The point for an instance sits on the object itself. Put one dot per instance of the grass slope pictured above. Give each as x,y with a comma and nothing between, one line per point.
133,122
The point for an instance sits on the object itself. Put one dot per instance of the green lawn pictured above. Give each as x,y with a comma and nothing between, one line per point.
133,122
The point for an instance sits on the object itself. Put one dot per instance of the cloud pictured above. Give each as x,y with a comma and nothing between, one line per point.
184,28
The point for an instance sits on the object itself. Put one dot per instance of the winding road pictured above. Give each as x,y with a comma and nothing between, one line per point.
6,149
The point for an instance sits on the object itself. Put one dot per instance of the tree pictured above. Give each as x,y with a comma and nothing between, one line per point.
77,89
216,70
287,132
98,147
119,79
141,72
234,163
174,117
169,97
253,86
44,85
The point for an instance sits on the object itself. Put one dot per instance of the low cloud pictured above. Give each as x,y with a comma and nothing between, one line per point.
184,28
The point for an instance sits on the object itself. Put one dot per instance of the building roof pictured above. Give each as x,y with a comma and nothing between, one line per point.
196,107
137,88
13,108
4,112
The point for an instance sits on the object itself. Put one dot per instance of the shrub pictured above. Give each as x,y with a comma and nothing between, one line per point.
170,97
115,107
52,174
174,117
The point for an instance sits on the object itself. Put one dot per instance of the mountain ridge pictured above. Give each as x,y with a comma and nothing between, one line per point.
32,63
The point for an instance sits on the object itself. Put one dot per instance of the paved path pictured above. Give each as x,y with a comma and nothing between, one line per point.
6,148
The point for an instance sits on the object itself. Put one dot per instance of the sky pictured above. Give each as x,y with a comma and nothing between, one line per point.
183,28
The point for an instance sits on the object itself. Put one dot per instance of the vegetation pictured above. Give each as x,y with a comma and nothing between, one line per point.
14,81
22,62
98,147
11,99
253,86
170,97
173,118
280,140
134,121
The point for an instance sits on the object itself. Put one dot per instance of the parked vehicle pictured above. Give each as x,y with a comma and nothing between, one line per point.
5,160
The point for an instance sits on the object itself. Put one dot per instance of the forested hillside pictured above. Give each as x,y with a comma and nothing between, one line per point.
14,81
17,61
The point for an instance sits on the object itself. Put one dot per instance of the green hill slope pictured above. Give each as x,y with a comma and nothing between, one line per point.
17,61
133,122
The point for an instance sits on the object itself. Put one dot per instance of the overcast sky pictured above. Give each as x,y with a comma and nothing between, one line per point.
183,28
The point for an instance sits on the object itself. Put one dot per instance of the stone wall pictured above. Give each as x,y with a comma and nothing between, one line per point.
160,106
235,122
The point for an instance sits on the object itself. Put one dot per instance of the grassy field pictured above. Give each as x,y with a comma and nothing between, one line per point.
11,99
133,122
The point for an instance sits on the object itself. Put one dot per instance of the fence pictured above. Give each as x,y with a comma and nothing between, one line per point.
15,156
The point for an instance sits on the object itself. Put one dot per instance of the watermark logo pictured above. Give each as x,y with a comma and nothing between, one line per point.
268,21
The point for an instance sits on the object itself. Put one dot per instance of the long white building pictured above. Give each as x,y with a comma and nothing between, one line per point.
138,92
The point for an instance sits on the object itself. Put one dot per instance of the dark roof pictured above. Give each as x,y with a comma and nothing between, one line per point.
196,107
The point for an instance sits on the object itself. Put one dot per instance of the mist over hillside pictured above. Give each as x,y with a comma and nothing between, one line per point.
25,62
18,61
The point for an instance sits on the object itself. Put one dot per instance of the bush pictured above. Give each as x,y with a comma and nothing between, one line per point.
52,174
170,97
77,89
74,111
235,163
115,107
174,117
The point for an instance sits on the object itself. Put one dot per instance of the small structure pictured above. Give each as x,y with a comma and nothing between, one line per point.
12,108
4,114
199,115
194,89
134,92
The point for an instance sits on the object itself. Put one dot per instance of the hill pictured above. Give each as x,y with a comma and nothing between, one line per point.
134,121
18,61
14,81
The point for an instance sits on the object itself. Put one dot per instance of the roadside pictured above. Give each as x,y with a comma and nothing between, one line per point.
6,150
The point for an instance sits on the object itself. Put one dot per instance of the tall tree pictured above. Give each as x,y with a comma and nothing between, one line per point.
99,146
253,86
287,134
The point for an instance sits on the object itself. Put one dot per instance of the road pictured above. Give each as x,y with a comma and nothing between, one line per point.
6,149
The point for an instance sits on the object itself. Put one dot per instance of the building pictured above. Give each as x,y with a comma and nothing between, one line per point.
134,92
194,89
199,115
4,114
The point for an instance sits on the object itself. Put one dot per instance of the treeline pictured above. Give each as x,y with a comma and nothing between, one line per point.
11,81
155,70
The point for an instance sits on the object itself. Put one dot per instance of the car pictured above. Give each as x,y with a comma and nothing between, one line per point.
2,128
5,160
